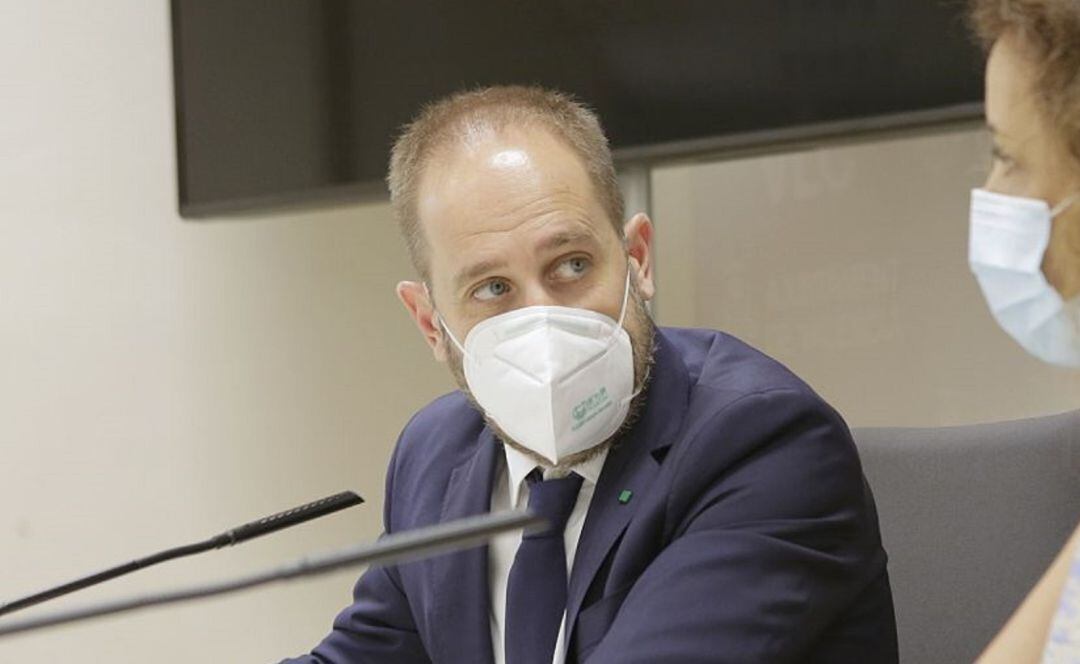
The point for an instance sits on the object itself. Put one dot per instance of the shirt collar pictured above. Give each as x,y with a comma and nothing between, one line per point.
518,466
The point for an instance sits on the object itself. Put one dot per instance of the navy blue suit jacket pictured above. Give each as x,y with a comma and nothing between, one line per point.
751,535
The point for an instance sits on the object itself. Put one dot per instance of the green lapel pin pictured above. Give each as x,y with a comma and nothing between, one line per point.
625,496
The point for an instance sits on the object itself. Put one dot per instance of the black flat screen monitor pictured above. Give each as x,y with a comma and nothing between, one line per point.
281,102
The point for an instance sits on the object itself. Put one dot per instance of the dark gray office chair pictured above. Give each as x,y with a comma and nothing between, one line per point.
971,516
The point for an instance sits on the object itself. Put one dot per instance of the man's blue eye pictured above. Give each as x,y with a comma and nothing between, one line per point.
491,290
572,267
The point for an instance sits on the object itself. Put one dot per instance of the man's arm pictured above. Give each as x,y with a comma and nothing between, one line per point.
776,536
379,625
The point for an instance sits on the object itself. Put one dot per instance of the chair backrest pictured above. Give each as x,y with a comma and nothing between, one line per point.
970,516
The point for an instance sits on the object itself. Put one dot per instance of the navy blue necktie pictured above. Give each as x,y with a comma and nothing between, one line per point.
536,590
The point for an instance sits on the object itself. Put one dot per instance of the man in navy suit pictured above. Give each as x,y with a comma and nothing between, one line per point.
705,504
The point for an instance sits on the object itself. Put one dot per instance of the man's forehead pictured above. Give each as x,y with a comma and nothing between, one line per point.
513,180
511,151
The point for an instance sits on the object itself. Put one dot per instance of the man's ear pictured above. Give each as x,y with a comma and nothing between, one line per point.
417,302
638,234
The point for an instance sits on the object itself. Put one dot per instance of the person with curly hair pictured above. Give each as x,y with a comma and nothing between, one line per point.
1025,248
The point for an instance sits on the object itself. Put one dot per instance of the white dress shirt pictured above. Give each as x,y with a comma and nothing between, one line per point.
508,492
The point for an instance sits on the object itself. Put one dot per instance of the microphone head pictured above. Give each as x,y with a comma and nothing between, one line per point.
289,518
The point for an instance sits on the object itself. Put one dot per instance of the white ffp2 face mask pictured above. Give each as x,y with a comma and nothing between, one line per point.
557,380
1009,236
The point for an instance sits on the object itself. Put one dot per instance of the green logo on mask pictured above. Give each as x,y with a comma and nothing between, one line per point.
590,407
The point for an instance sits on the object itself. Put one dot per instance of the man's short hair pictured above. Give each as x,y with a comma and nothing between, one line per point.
452,120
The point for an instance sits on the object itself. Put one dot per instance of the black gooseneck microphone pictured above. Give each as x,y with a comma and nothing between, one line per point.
391,549
264,526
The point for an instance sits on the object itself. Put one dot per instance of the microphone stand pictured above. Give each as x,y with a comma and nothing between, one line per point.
263,526
391,549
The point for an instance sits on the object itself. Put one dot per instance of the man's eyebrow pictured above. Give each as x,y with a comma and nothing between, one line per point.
475,270
563,238
550,243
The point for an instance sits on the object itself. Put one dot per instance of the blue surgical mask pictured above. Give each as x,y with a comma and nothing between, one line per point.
1008,240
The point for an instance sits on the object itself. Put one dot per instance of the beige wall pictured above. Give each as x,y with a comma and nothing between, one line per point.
161,380
848,262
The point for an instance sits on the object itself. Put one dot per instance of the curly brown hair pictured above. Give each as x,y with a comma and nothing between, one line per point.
1050,32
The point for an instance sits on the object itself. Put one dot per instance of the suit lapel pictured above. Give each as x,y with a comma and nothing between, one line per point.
626,468
462,627
631,466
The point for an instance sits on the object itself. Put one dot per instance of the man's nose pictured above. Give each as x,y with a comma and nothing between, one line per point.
537,294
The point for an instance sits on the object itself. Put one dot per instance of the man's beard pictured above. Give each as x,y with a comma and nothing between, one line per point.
642,331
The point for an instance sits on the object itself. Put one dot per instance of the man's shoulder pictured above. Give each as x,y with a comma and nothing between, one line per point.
742,400
439,438
724,369
748,410
447,423
441,411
